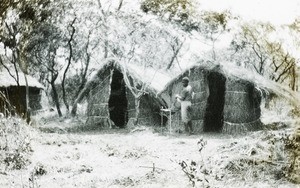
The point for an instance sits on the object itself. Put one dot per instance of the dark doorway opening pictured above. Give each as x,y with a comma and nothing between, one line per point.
213,120
117,101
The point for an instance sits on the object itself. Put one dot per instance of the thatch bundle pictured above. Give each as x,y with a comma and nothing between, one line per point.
236,128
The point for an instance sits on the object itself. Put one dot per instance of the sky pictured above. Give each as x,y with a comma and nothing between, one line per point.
277,12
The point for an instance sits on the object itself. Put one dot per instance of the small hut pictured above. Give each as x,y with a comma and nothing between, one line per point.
222,102
13,96
111,102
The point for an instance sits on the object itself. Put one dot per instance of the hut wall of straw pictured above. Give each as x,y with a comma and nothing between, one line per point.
239,111
242,106
98,109
98,102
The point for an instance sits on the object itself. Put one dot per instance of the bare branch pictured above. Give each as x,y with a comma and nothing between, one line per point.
9,72
120,5
176,48
69,62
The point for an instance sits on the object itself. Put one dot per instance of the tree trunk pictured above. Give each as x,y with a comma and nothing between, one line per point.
68,65
64,96
80,88
56,99
74,108
79,98
176,50
27,101
83,75
81,95
293,79
137,101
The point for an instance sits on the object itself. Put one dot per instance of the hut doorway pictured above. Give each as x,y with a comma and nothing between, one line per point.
118,101
213,120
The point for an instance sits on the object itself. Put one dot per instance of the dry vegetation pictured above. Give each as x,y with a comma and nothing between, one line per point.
15,145
143,157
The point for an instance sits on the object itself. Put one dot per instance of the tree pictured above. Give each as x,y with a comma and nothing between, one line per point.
176,46
63,43
135,41
253,38
15,20
283,65
71,38
138,89
175,10
212,25
12,47
42,52
84,58
7,4
254,48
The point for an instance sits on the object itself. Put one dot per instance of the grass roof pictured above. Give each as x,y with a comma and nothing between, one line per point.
7,80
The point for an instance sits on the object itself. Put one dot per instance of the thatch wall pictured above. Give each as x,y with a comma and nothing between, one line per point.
239,109
242,106
98,106
16,96
97,109
198,80
149,110
35,98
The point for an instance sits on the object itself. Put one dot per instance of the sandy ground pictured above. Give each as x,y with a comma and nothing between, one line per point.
145,158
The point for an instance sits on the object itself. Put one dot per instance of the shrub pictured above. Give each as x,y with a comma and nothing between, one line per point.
196,172
15,147
292,145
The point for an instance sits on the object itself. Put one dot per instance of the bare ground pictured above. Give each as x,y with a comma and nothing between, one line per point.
147,158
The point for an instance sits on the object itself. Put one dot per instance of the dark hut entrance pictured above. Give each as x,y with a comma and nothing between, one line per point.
118,102
213,120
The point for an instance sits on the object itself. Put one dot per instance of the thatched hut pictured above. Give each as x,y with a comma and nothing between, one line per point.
112,103
13,96
222,102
